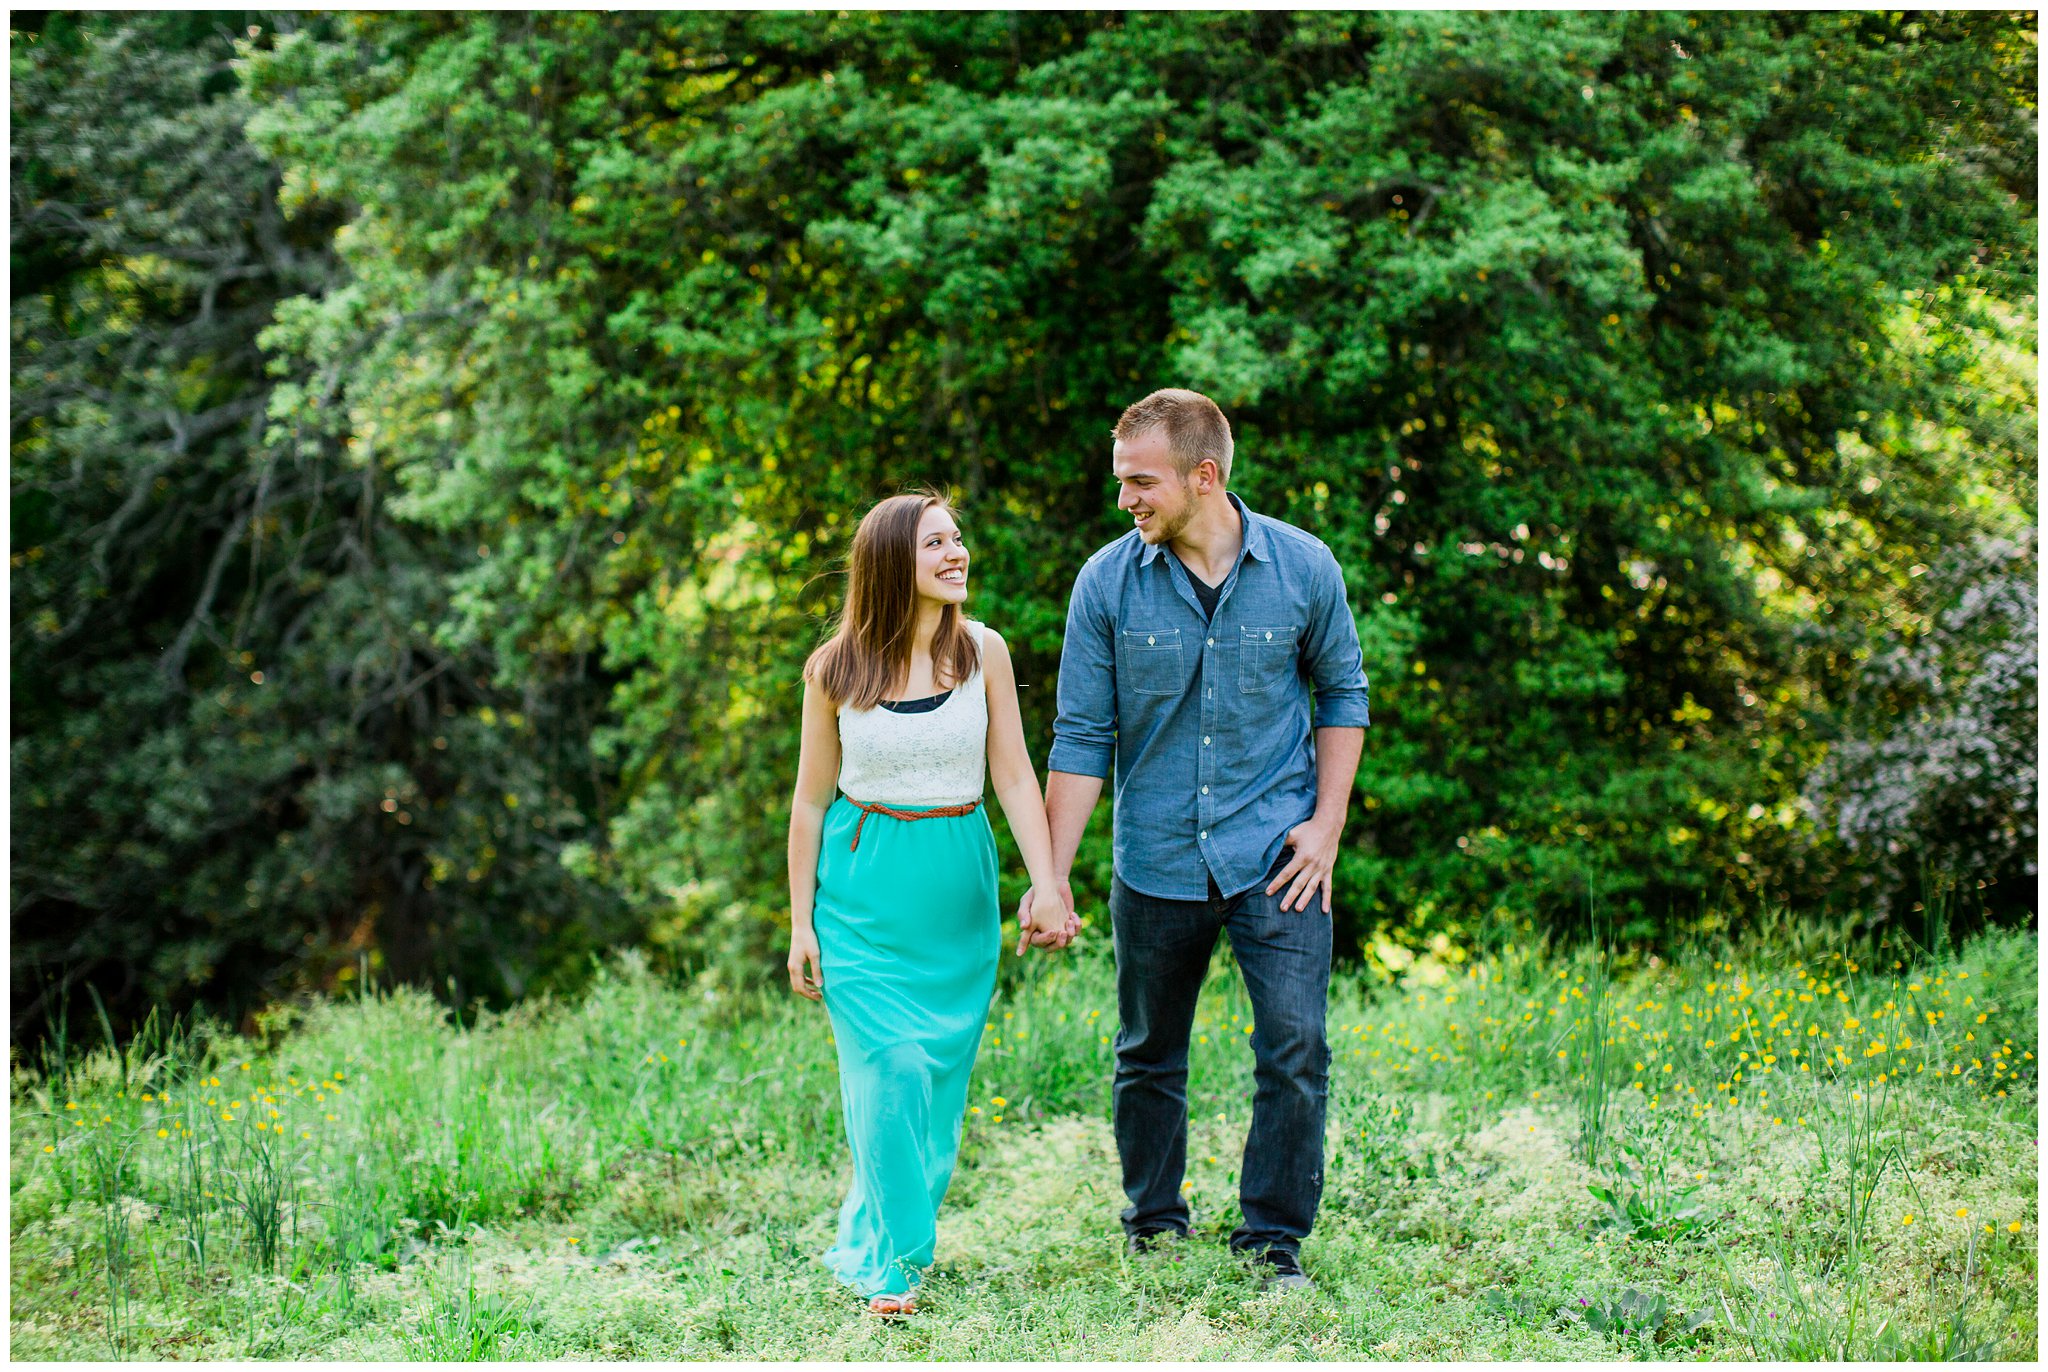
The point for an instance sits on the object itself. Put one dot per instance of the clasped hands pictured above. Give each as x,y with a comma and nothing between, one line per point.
1046,919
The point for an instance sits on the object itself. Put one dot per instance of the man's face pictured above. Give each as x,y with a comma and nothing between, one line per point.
1150,489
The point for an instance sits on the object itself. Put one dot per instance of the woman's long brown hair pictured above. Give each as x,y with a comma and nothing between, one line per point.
868,654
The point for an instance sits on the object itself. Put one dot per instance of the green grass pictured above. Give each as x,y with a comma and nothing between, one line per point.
650,1172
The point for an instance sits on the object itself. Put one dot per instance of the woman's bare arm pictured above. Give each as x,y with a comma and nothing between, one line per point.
817,778
1016,787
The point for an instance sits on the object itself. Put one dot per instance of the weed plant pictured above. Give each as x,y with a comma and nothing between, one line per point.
1593,1037
1641,1199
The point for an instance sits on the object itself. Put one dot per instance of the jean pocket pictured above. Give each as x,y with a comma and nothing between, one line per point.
1265,656
1151,664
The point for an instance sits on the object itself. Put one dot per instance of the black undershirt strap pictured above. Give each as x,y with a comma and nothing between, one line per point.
916,707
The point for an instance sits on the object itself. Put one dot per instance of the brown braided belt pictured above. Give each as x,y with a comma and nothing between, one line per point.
941,812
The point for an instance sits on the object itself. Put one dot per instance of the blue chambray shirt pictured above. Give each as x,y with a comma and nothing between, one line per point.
1207,722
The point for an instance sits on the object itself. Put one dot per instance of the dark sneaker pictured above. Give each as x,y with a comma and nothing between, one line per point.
1153,1240
1281,1271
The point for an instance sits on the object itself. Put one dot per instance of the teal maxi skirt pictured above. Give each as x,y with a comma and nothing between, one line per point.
908,938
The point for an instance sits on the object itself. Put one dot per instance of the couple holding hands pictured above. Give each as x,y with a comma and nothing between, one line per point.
1193,646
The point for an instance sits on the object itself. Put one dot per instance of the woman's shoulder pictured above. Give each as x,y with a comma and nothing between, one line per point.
817,696
992,651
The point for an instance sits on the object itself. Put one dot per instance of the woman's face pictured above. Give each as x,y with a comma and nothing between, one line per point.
941,558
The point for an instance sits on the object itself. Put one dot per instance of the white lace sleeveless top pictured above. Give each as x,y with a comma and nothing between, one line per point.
938,757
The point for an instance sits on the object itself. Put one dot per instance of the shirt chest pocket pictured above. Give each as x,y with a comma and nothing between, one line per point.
1265,656
1150,661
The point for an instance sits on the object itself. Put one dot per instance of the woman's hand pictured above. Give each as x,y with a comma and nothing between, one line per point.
804,976
1043,920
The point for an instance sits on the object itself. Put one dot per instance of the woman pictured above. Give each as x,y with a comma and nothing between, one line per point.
893,920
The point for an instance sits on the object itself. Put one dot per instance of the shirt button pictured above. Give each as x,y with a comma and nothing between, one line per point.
1205,835
1212,643
1205,740
1205,790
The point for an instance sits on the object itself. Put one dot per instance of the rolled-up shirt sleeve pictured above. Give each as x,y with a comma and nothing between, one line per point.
1335,662
1084,730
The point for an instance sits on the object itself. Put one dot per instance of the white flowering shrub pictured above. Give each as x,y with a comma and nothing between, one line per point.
1937,767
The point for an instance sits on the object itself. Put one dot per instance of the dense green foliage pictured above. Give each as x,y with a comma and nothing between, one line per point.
1636,366
241,757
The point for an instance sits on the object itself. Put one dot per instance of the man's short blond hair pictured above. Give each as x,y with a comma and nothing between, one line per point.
1196,430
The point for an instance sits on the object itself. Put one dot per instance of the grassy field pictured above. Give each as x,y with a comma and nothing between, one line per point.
1792,1151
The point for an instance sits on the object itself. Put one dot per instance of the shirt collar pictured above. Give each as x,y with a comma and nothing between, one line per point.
1254,536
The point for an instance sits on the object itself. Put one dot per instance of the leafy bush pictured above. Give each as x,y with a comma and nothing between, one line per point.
1938,771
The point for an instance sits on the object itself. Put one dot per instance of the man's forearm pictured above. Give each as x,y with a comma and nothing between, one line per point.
1069,800
1337,753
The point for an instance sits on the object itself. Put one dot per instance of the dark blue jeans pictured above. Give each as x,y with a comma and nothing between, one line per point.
1162,953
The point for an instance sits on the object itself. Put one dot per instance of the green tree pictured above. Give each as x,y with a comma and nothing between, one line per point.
1611,353
239,757
532,368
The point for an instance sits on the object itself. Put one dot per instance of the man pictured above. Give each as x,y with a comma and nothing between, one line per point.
1191,648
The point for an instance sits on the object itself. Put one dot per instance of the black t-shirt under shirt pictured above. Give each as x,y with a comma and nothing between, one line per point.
1204,592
